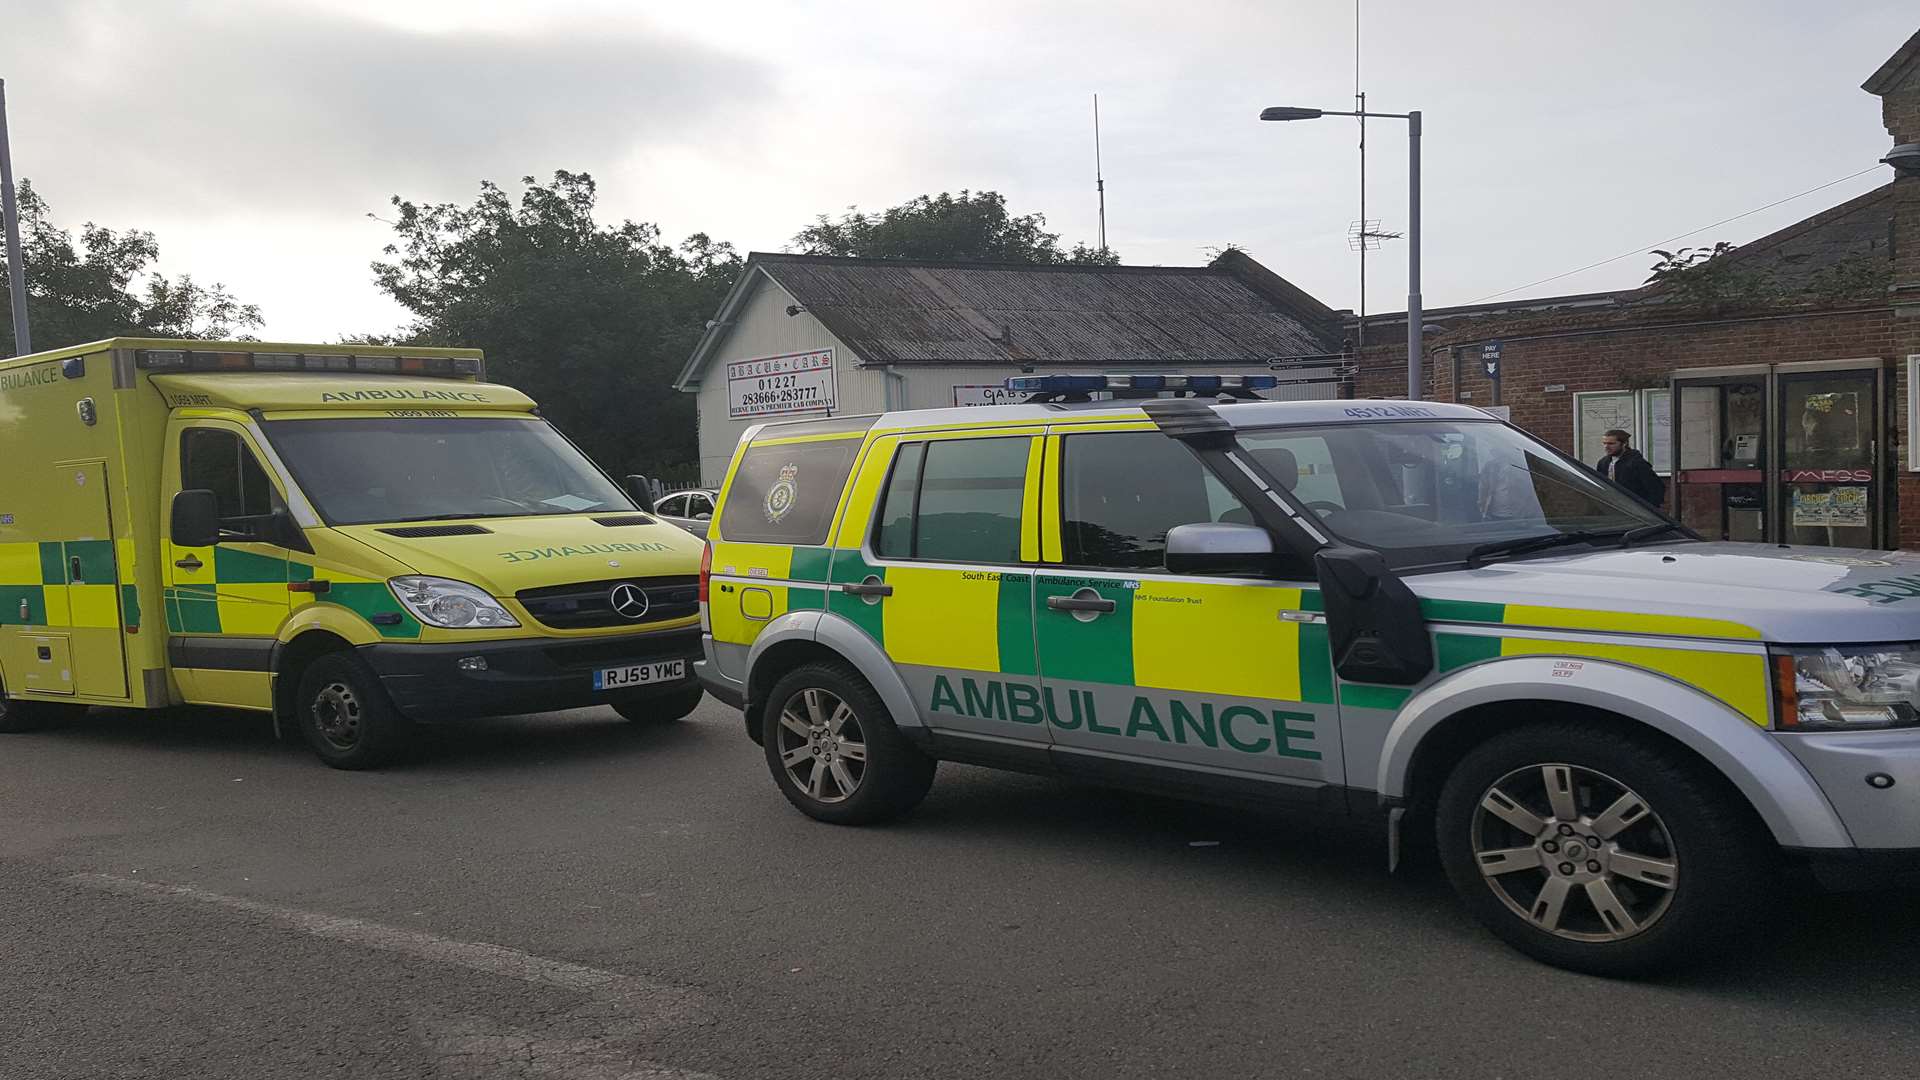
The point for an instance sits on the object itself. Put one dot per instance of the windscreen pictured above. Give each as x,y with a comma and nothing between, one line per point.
359,471
1427,492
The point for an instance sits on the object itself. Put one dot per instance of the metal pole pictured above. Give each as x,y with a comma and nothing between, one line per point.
1099,176
1414,380
16,266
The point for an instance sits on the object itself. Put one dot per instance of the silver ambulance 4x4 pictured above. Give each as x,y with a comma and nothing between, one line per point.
1618,734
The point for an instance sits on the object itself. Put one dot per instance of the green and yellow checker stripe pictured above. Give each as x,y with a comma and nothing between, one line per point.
1738,679
39,585
248,595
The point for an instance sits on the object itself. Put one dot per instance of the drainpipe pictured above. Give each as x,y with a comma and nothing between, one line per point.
895,394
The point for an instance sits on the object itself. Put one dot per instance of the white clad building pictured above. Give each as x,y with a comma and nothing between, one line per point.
814,335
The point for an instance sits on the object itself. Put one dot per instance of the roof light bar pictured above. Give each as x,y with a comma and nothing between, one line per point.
455,367
1080,384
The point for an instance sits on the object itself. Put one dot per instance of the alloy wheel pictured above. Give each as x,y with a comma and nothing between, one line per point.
822,746
1575,852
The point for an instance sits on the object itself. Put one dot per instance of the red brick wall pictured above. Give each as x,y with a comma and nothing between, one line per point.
1900,107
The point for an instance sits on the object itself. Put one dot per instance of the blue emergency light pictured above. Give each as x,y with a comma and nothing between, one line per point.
1084,384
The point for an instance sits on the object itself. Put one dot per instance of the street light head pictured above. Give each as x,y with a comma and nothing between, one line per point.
1282,112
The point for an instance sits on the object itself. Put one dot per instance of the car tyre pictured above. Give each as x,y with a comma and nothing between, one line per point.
346,716
1681,869
661,708
834,750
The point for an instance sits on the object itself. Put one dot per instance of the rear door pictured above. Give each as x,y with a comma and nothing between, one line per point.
1206,681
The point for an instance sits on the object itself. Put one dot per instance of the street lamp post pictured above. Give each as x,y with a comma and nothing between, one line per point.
1414,354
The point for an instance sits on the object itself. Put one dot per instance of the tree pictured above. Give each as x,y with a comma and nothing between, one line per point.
87,291
592,321
1707,279
966,227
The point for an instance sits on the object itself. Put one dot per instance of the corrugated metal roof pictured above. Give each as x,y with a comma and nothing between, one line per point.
910,312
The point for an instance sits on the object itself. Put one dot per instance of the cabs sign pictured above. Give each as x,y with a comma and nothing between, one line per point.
778,385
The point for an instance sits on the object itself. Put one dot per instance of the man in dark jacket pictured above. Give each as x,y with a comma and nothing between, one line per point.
1630,469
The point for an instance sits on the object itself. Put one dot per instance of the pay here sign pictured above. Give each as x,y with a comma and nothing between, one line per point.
772,385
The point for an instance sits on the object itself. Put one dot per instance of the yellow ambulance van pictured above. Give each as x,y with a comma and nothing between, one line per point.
350,538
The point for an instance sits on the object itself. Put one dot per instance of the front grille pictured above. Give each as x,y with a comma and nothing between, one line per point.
626,650
589,605
437,530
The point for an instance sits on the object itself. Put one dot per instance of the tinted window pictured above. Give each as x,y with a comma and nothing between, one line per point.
786,493
895,537
216,459
956,500
699,503
672,506
1123,491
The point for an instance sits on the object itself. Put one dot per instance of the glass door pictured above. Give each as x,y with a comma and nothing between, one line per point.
1721,452
1830,481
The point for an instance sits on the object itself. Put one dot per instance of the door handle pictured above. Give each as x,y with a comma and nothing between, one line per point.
872,587
1082,603
191,562
76,576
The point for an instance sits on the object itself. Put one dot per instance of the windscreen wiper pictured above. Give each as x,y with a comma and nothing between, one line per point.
1524,544
1648,532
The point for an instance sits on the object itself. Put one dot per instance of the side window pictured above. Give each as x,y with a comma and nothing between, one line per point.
894,540
1122,492
786,493
672,506
955,500
699,503
217,460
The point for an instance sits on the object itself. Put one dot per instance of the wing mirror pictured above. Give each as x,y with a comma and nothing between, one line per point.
640,490
1219,548
196,519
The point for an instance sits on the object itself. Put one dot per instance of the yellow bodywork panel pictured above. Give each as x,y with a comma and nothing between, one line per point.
1739,679
943,617
1217,639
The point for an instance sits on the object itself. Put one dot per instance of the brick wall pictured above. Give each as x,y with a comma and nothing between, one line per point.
1900,108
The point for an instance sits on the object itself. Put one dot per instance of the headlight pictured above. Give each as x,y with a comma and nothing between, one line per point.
1848,689
450,604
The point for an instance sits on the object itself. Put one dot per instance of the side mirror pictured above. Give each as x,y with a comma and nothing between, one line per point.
196,518
1219,548
703,516
640,491
1373,620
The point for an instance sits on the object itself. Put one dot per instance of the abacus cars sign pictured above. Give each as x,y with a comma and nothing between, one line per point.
775,385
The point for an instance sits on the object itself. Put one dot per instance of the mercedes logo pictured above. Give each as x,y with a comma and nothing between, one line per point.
629,601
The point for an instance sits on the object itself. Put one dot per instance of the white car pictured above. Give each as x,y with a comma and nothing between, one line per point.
691,510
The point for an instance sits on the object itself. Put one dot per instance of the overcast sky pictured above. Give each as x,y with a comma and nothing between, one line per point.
254,136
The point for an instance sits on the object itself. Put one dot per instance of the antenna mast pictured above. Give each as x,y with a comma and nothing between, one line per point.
1099,178
1360,106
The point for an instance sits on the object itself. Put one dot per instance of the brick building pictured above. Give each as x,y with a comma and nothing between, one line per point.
1774,387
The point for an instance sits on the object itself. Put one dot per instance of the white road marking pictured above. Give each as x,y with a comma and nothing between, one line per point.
637,1004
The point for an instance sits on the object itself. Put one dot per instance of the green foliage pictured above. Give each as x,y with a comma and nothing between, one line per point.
592,321
1703,278
85,291
967,227
1859,277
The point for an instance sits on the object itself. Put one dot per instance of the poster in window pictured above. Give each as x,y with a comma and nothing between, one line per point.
1849,507
1658,444
1597,413
1812,507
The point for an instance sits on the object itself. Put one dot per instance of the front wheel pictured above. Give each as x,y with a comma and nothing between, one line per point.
662,708
835,752
346,715
1598,851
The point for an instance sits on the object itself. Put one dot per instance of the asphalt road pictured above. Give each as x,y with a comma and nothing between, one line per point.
572,896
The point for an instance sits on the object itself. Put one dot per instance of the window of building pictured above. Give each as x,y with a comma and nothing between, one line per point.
1123,491
955,500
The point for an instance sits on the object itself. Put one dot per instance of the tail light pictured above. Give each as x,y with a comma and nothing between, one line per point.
706,570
